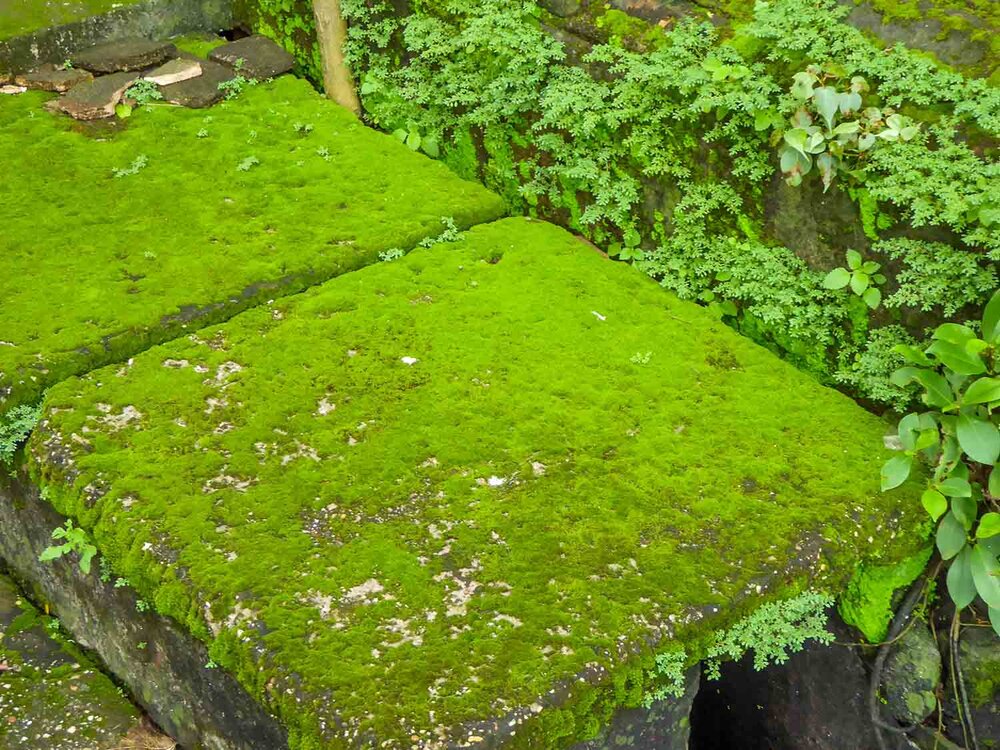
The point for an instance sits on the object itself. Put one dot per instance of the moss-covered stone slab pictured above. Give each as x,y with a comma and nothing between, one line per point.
459,499
120,235
48,698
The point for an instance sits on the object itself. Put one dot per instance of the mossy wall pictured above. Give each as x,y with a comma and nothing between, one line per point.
643,126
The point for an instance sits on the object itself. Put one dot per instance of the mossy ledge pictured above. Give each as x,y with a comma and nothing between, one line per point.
211,213
460,499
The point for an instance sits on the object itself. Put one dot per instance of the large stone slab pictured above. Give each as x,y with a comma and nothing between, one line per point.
48,698
201,91
52,78
179,219
459,499
124,56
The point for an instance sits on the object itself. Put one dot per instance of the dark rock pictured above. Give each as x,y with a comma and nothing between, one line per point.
168,676
97,99
666,725
202,91
254,57
125,55
817,700
911,676
47,698
51,78
979,650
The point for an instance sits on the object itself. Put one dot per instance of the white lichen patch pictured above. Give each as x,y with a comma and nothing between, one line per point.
301,451
403,630
115,422
176,364
324,407
224,481
364,593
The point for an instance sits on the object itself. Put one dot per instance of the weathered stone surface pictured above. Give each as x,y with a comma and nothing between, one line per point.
174,71
199,706
96,99
980,659
254,57
396,442
911,677
124,56
52,78
48,699
314,206
59,35
815,701
666,725
201,91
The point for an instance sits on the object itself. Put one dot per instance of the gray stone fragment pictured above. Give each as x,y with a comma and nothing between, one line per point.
254,57
51,78
125,55
174,71
97,99
202,91
979,650
912,673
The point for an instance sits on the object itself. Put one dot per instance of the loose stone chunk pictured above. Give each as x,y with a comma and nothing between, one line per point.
51,78
96,99
254,57
124,56
176,70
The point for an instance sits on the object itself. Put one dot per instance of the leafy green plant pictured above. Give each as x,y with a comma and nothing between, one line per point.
958,439
829,129
138,164
773,632
668,671
862,276
393,253
247,164
416,142
74,540
15,426
236,86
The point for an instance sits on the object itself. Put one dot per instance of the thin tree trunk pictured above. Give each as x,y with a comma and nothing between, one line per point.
331,30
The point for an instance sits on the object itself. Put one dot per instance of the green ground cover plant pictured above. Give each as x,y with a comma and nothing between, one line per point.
146,229
428,471
696,113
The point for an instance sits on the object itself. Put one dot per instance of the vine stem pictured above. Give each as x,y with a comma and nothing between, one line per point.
958,683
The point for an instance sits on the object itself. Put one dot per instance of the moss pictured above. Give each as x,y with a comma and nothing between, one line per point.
407,548
189,238
18,17
198,44
868,602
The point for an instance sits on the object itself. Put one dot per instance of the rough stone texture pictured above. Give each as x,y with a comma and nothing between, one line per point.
96,99
48,699
200,707
254,57
395,440
124,56
314,206
150,19
174,71
51,78
202,91
815,701
980,658
950,46
666,725
912,673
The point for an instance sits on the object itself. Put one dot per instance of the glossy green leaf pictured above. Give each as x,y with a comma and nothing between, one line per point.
956,358
934,503
950,537
982,391
994,613
961,587
838,278
991,318
953,332
986,574
872,298
827,101
955,487
859,282
979,439
912,354
937,390
993,487
895,471
965,510
989,525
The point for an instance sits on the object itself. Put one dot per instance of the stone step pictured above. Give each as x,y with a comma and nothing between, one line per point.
119,236
49,699
460,499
